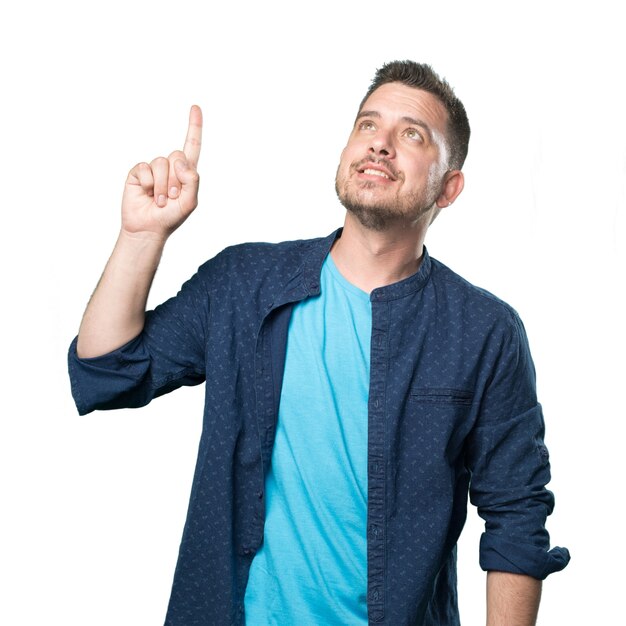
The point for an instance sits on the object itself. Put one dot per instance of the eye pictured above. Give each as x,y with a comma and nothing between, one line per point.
367,125
413,134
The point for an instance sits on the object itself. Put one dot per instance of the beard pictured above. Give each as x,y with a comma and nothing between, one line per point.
359,198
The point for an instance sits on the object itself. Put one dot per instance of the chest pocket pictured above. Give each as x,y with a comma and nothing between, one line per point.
438,421
436,395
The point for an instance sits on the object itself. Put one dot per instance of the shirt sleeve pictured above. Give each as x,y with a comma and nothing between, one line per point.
510,467
169,353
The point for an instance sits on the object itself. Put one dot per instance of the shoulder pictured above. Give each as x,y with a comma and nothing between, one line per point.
269,253
255,263
482,319
474,301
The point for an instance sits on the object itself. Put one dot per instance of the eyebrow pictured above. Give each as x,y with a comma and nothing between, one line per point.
405,118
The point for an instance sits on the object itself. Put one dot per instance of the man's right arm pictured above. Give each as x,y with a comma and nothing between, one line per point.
157,199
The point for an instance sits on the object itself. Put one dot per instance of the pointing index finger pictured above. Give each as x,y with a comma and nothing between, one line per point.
193,141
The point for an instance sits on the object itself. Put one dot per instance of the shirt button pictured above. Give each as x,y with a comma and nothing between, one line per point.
374,531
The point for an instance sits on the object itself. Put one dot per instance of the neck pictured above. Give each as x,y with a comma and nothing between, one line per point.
370,259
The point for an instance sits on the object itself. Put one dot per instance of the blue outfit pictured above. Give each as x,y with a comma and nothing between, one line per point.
312,566
451,407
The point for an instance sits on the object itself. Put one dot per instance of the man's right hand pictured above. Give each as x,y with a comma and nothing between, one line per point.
160,196
157,199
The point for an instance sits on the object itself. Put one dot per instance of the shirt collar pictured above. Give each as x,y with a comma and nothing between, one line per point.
406,286
306,281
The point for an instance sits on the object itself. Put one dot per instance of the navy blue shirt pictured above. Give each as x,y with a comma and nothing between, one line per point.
452,407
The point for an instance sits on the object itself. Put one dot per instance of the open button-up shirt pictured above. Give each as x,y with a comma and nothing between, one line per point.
452,407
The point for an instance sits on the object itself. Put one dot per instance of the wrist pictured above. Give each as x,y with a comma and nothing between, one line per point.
135,256
142,239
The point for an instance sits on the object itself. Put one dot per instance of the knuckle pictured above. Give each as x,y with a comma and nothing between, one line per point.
144,173
140,168
159,162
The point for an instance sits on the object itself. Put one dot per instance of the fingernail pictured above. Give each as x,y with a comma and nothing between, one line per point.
162,200
173,192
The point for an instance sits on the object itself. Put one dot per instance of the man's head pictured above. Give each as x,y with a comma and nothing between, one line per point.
403,158
423,77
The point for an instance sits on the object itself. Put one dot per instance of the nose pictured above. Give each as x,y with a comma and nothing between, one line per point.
382,145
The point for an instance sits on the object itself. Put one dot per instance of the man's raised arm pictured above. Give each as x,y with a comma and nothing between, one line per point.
158,198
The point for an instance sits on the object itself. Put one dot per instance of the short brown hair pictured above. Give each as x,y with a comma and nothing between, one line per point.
422,76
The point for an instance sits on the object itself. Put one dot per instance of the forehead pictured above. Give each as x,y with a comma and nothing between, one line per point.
399,100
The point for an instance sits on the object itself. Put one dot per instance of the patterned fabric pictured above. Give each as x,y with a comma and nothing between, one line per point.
312,565
452,406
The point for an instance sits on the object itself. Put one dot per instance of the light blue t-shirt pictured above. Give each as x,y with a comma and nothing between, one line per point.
312,566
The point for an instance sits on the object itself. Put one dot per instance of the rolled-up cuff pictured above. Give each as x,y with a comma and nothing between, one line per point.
103,382
505,556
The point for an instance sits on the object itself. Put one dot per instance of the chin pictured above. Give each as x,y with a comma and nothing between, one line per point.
375,216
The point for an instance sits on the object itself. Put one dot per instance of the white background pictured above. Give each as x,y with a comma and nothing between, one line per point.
93,507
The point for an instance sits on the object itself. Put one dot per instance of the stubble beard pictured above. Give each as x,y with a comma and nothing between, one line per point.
381,215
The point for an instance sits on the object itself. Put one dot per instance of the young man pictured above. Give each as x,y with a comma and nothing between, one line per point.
356,389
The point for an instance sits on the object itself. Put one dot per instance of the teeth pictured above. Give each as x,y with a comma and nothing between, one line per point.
375,173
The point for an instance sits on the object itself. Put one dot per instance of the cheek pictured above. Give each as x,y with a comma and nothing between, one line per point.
347,154
435,173
355,149
345,160
417,174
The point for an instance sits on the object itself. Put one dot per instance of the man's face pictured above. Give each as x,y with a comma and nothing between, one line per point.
391,170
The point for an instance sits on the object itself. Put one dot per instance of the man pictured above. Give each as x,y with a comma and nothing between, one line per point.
356,388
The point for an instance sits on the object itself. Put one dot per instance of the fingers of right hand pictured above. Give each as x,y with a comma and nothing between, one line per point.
141,175
174,183
160,172
193,141
188,176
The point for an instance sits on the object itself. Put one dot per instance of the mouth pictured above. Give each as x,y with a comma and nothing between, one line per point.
369,168
372,172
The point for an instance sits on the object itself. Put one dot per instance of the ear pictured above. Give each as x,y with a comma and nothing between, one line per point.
452,187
